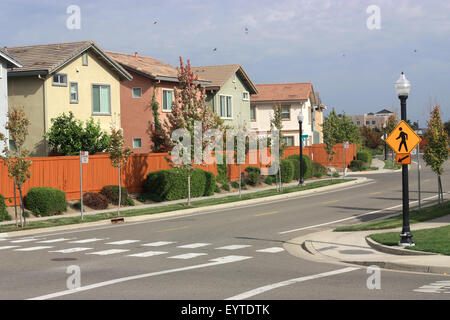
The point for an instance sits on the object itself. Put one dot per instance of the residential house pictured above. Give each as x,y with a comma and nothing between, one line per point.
63,77
372,120
6,61
150,76
293,99
228,93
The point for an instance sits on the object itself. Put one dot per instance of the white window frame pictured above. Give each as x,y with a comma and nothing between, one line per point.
132,93
254,108
162,100
110,102
226,117
70,93
135,139
289,137
248,96
59,84
290,108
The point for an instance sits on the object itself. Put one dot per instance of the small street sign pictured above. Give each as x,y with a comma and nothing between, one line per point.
403,139
403,158
84,157
346,145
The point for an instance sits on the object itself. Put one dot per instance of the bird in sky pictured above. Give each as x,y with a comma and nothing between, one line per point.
215,49
246,30
155,22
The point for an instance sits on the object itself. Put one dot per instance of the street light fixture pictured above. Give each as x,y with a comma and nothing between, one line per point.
300,118
403,87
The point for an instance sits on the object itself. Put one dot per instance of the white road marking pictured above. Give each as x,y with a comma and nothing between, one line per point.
435,287
158,244
108,252
24,240
34,248
188,256
53,240
119,243
86,240
214,262
234,247
269,287
8,247
271,250
194,245
351,218
147,254
72,250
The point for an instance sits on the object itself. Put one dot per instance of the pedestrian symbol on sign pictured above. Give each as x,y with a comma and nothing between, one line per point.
404,137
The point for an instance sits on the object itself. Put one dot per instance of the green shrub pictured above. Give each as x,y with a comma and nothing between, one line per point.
166,185
112,194
226,187
129,202
96,201
222,172
356,165
243,183
142,197
364,156
216,189
306,163
336,175
235,184
318,174
210,183
45,201
77,205
253,178
287,170
318,168
4,216
253,169
268,180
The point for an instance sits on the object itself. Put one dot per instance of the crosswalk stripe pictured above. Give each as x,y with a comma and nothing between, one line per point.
158,244
118,243
86,240
34,248
53,240
72,250
194,245
234,247
187,256
23,240
271,250
147,254
108,252
8,247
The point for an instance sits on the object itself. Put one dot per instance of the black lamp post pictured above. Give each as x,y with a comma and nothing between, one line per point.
403,86
300,133
385,144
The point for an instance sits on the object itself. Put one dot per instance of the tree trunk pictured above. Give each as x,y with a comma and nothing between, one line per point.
15,204
120,196
22,215
281,182
440,191
189,186
240,181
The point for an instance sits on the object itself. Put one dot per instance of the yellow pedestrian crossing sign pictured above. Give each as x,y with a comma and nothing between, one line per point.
403,139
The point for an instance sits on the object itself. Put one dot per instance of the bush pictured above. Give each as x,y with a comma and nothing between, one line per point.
226,187
287,170
356,165
243,184
253,169
222,172
365,157
112,194
96,201
129,202
306,163
318,174
336,175
253,178
318,168
210,183
268,180
235,184
166,185
216,189
45,201
4,216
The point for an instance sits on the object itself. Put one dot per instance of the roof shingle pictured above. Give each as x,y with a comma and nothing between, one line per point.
283,92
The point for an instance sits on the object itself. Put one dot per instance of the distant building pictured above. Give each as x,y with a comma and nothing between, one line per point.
372,120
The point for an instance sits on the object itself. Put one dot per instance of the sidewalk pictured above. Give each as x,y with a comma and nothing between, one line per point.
353,248
375,163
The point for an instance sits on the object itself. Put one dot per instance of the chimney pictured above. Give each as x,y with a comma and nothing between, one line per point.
135,54
5,49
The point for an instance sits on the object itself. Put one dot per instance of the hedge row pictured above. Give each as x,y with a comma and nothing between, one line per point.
165,185
4,216
45,201
364,156
306,164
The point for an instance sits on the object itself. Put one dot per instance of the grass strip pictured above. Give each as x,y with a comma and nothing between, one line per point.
415,216
171,207
435,240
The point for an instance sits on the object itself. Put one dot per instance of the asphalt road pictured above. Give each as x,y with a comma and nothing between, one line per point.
215,255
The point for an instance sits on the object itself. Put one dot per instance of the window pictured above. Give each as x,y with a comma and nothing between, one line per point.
167,100
12,145
137,92
101,99
60,79
288,141
373,122
137,143
245,96
286,112
253,113
225,107
84,59
73,92
367,122
358,122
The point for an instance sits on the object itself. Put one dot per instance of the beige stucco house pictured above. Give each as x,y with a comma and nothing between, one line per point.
63,77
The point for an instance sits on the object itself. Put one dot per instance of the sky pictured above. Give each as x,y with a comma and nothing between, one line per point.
352,54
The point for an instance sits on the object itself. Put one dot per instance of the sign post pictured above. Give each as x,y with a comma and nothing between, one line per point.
346,146
84,158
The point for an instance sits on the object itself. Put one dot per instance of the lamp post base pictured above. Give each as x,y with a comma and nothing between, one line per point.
406,240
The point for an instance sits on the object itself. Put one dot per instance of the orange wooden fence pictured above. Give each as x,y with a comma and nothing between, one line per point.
63,173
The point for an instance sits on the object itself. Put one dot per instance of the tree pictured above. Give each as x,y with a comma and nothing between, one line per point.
348,130
390,126
160,138
370,138
414,125
447,128
119,156
18,166
189,112
67,136
436,152
277,123
331,127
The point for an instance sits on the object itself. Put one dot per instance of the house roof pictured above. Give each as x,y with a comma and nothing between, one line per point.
146,66
11,62
384,111
219,75
49,58
283,92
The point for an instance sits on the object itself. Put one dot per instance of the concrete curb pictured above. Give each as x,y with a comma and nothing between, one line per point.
184,212
402,267
397,251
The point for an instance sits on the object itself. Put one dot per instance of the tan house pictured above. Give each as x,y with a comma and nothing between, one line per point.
63,77
373,120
